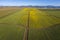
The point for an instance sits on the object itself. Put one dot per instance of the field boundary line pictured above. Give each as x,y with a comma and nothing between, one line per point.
13,24
9,14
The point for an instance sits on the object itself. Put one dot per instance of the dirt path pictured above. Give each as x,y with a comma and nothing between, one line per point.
26,33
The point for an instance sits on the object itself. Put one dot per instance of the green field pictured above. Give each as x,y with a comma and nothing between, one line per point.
44,24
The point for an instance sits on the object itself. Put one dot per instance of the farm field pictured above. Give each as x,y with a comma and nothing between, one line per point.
44,24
